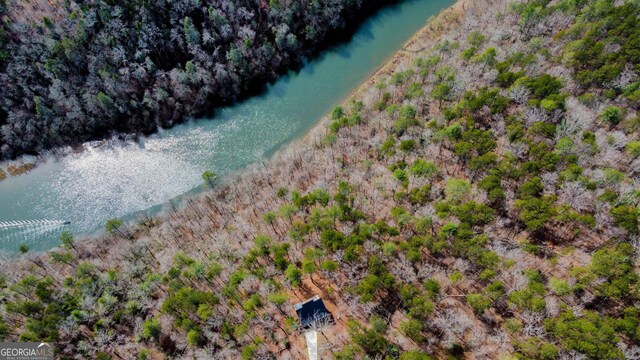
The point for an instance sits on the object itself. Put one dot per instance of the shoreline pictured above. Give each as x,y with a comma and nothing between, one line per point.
434,26
428,34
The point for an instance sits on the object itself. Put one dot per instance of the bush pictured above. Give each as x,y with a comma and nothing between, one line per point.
413,329
535,212
420,196
401,176
476,38
414,355
407,145
531,297
541,86
633,149
617,266
535,348
423,168
479,302
559,286
151,329
612,114
195,338
457,190
294,275
441,92
626,217
591,334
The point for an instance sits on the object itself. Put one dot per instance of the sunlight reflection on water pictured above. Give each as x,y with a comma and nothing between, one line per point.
118,179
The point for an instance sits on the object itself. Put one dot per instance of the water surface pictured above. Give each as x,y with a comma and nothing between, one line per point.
120,179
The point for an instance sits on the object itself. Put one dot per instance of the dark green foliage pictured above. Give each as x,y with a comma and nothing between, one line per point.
473,213
483,162
407,145
151,329
372,342
534,348
532,297
195,338
491,184
414,355
506,77
479,302
4,329
541,86
112,226
184,302
605,24
420,195
209,177
535,212
474,143
626,217
423,168
612,115
417,304
629,323
441,92
590,334
332,240
543,129
530,188
616,265
294,275
378,278
317,196
472,102
403,123
412,328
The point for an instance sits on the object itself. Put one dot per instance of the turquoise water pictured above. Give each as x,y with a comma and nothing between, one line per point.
122,179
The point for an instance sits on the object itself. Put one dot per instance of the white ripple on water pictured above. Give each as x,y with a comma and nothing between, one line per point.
29,235
112,181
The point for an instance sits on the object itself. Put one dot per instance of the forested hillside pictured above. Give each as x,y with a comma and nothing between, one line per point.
477,199
70,72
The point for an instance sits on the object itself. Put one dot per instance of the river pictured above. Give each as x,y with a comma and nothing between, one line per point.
122,179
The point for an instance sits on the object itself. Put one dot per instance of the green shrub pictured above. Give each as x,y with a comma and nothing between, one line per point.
559,286
457,190
151,329
476,38
441,92
534,348
414,355
512,325
535,212
612,114
294,275
195,338
531,297
617,266
633,149
407,145
626,217
423,168
479,302
591,334
412,328
401,176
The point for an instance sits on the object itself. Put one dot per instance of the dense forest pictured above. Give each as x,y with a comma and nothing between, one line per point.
478,199
70,72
